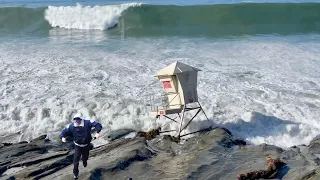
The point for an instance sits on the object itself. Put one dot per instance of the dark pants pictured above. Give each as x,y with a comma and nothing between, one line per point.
78,152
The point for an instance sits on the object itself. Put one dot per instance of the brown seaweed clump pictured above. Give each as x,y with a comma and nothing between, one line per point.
150,134
172,138
273,166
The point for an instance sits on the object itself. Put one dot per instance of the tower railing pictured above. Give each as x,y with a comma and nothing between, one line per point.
160,101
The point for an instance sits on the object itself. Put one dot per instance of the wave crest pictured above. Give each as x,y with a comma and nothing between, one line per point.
86,17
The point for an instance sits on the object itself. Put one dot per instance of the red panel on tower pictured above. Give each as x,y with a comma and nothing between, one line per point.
166,84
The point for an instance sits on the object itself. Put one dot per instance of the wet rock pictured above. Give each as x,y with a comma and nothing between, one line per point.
7,144
215,154
107,161
314,145
119,133
42,137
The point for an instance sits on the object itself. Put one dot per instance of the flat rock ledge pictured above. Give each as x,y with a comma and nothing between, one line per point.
215,154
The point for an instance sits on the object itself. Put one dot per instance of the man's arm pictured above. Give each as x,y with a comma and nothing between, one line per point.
66,132
96,125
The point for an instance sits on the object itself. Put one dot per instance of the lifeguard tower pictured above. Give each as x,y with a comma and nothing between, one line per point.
180,89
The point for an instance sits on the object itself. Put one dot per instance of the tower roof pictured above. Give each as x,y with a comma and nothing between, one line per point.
176,68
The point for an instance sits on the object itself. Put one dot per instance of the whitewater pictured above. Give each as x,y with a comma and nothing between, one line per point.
86,17
264,88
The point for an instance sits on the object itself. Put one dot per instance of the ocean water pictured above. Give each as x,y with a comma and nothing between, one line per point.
260,63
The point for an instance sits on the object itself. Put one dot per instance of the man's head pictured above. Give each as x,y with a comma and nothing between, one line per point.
77,118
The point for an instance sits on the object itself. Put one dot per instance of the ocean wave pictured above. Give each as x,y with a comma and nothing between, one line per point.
86,17
135,19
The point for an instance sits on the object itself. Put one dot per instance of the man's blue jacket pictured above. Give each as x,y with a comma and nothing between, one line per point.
81,133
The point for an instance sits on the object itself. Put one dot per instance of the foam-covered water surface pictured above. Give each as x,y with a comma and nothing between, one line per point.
264,89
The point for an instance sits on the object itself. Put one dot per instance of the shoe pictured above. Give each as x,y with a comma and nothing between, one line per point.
85,164
75,177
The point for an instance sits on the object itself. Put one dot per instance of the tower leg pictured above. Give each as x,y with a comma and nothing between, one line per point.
203,111
157,119
191,119
181,120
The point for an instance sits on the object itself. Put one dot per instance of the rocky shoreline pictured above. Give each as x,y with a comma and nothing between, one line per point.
215,154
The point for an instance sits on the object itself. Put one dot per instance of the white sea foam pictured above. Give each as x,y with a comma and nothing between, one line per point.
262,90
86,17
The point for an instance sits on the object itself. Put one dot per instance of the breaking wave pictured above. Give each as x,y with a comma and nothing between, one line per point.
79,17
137,19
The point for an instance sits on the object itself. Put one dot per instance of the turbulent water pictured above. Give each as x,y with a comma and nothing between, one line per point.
260,65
